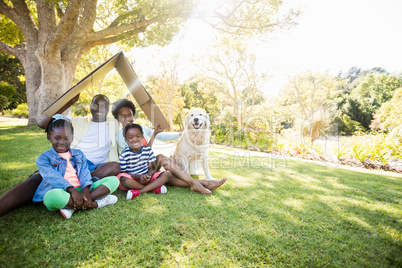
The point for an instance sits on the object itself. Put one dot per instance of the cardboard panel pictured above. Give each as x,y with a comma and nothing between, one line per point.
142,97
86,82
120,62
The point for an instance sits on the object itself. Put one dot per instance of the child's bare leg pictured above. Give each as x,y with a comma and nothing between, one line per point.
169,165
106,169
130,183
162,179
174,181
209,184
20,194
212,184
99,192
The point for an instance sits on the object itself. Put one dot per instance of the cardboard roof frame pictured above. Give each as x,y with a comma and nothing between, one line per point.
134,86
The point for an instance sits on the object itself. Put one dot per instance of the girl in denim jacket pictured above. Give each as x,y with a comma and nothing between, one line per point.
67,184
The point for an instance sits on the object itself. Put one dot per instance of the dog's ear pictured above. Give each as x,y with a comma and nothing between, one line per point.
208,122
186,120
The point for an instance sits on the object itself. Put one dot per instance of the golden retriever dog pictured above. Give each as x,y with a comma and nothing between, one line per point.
193,145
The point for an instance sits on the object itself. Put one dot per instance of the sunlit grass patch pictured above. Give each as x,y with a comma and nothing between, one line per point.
295,215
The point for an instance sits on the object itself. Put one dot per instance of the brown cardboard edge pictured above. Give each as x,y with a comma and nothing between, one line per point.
125,70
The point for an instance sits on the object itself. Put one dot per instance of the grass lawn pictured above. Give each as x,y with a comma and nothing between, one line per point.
289,213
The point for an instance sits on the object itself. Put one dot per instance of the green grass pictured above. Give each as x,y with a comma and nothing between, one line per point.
269,214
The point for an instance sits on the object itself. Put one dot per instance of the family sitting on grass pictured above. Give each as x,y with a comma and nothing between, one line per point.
80,176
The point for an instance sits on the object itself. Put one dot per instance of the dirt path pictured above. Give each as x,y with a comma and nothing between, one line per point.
11,121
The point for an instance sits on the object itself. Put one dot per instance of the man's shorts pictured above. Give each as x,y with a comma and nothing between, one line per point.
92,166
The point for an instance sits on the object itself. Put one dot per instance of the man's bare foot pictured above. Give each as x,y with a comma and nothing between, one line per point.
197,187
213,184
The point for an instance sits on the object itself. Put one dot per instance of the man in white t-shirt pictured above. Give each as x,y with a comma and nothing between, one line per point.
94,136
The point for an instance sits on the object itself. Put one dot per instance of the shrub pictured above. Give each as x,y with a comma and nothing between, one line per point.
3,103
361,153
7,112
248,136
379,147
80,109
21,110
346,126
340,151
388,116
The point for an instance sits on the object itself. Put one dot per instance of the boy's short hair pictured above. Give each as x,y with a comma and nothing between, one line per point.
55,123
132,126
121,104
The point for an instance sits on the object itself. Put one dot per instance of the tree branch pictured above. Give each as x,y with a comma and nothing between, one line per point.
46,19
240,26
21,16
113,39
113,31
87,22
9,49
121,17
67,23
7,11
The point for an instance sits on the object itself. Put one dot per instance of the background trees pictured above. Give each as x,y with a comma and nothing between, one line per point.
312,98
58,33
231,69
12,81
50,37
199,93
165,89
368,94
389,115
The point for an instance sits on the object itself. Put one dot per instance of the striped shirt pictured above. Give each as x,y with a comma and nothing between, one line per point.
136,163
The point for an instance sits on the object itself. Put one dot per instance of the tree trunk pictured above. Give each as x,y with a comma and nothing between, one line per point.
47,79
33,79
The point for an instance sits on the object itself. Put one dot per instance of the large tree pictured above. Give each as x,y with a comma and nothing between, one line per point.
49,37
232,71
165,89
312,98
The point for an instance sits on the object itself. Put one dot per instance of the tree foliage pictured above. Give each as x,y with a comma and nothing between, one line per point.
357,112
55,34
389,115
197,94
231,70
12,73
3,103
310,92
165,90
312,97
239,17
370,93
344,125
376,89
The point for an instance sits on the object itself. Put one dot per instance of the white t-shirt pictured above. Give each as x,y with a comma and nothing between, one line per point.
96,143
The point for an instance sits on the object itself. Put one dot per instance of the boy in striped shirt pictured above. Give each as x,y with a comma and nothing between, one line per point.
138,162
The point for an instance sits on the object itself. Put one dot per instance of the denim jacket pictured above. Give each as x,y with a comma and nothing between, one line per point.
52,167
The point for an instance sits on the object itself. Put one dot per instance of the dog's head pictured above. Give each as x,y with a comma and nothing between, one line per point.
197,119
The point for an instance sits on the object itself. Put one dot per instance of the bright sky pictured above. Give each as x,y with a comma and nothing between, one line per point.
332,35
